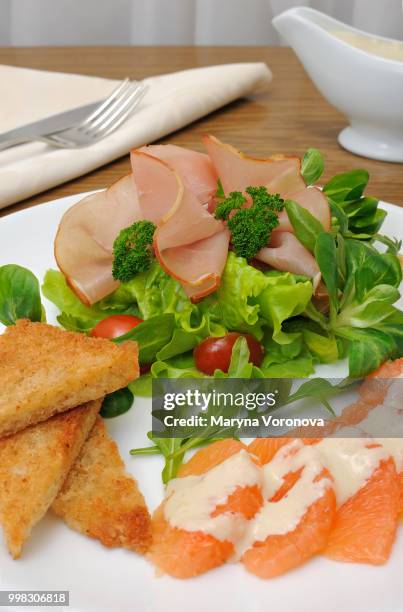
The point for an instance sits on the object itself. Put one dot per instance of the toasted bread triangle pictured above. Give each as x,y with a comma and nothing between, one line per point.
45,370
33,466
99,498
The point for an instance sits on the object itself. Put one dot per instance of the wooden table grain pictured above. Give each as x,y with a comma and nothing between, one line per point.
289,118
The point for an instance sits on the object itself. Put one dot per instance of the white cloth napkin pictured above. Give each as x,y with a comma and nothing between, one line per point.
171,102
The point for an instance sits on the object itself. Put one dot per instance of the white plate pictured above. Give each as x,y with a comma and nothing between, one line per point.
100,579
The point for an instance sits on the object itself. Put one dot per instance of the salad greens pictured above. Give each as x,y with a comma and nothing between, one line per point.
174,449
306,226
351,314
278,308
116,403
355,317
354,215
363,286
312,166
19,295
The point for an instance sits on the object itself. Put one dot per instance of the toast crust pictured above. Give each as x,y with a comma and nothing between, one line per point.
100,500
33,466
45,370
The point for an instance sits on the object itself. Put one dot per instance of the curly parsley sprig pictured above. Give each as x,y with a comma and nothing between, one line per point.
250,227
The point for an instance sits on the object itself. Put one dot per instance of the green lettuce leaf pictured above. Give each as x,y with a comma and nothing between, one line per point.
299,367
240,285
142,386
156,293
75,316
323,348
283,297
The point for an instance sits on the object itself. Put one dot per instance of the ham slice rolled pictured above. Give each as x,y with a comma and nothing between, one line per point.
195,169
84,241
281,175
189,243
175,197
287,254
175,189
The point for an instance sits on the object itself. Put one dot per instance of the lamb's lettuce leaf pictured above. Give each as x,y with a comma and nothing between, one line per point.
20,297
312,166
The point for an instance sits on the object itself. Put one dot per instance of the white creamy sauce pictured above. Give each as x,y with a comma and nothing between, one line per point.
283,516
387,49
350,463
192,499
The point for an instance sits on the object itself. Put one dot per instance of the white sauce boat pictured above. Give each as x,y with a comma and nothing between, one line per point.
359,74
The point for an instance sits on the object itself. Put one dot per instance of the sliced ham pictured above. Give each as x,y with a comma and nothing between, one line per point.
174,188
280,174
84,241
164,199
201,263
195,169
287,254
237,171
190,244
314,201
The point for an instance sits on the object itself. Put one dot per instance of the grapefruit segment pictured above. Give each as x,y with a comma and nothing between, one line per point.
280,553
185,554
365,525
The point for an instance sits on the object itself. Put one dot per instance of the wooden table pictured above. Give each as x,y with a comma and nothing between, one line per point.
290,118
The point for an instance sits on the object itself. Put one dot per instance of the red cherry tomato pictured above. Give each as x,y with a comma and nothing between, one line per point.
115,325
215,353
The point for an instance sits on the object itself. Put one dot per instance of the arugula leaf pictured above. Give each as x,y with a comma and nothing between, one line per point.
146,450
74,323
19,295
307,228
312,166
393,244
152,335
239,366
168,447
321,389
142,386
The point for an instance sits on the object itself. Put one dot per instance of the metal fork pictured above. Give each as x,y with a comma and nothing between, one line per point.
102,121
